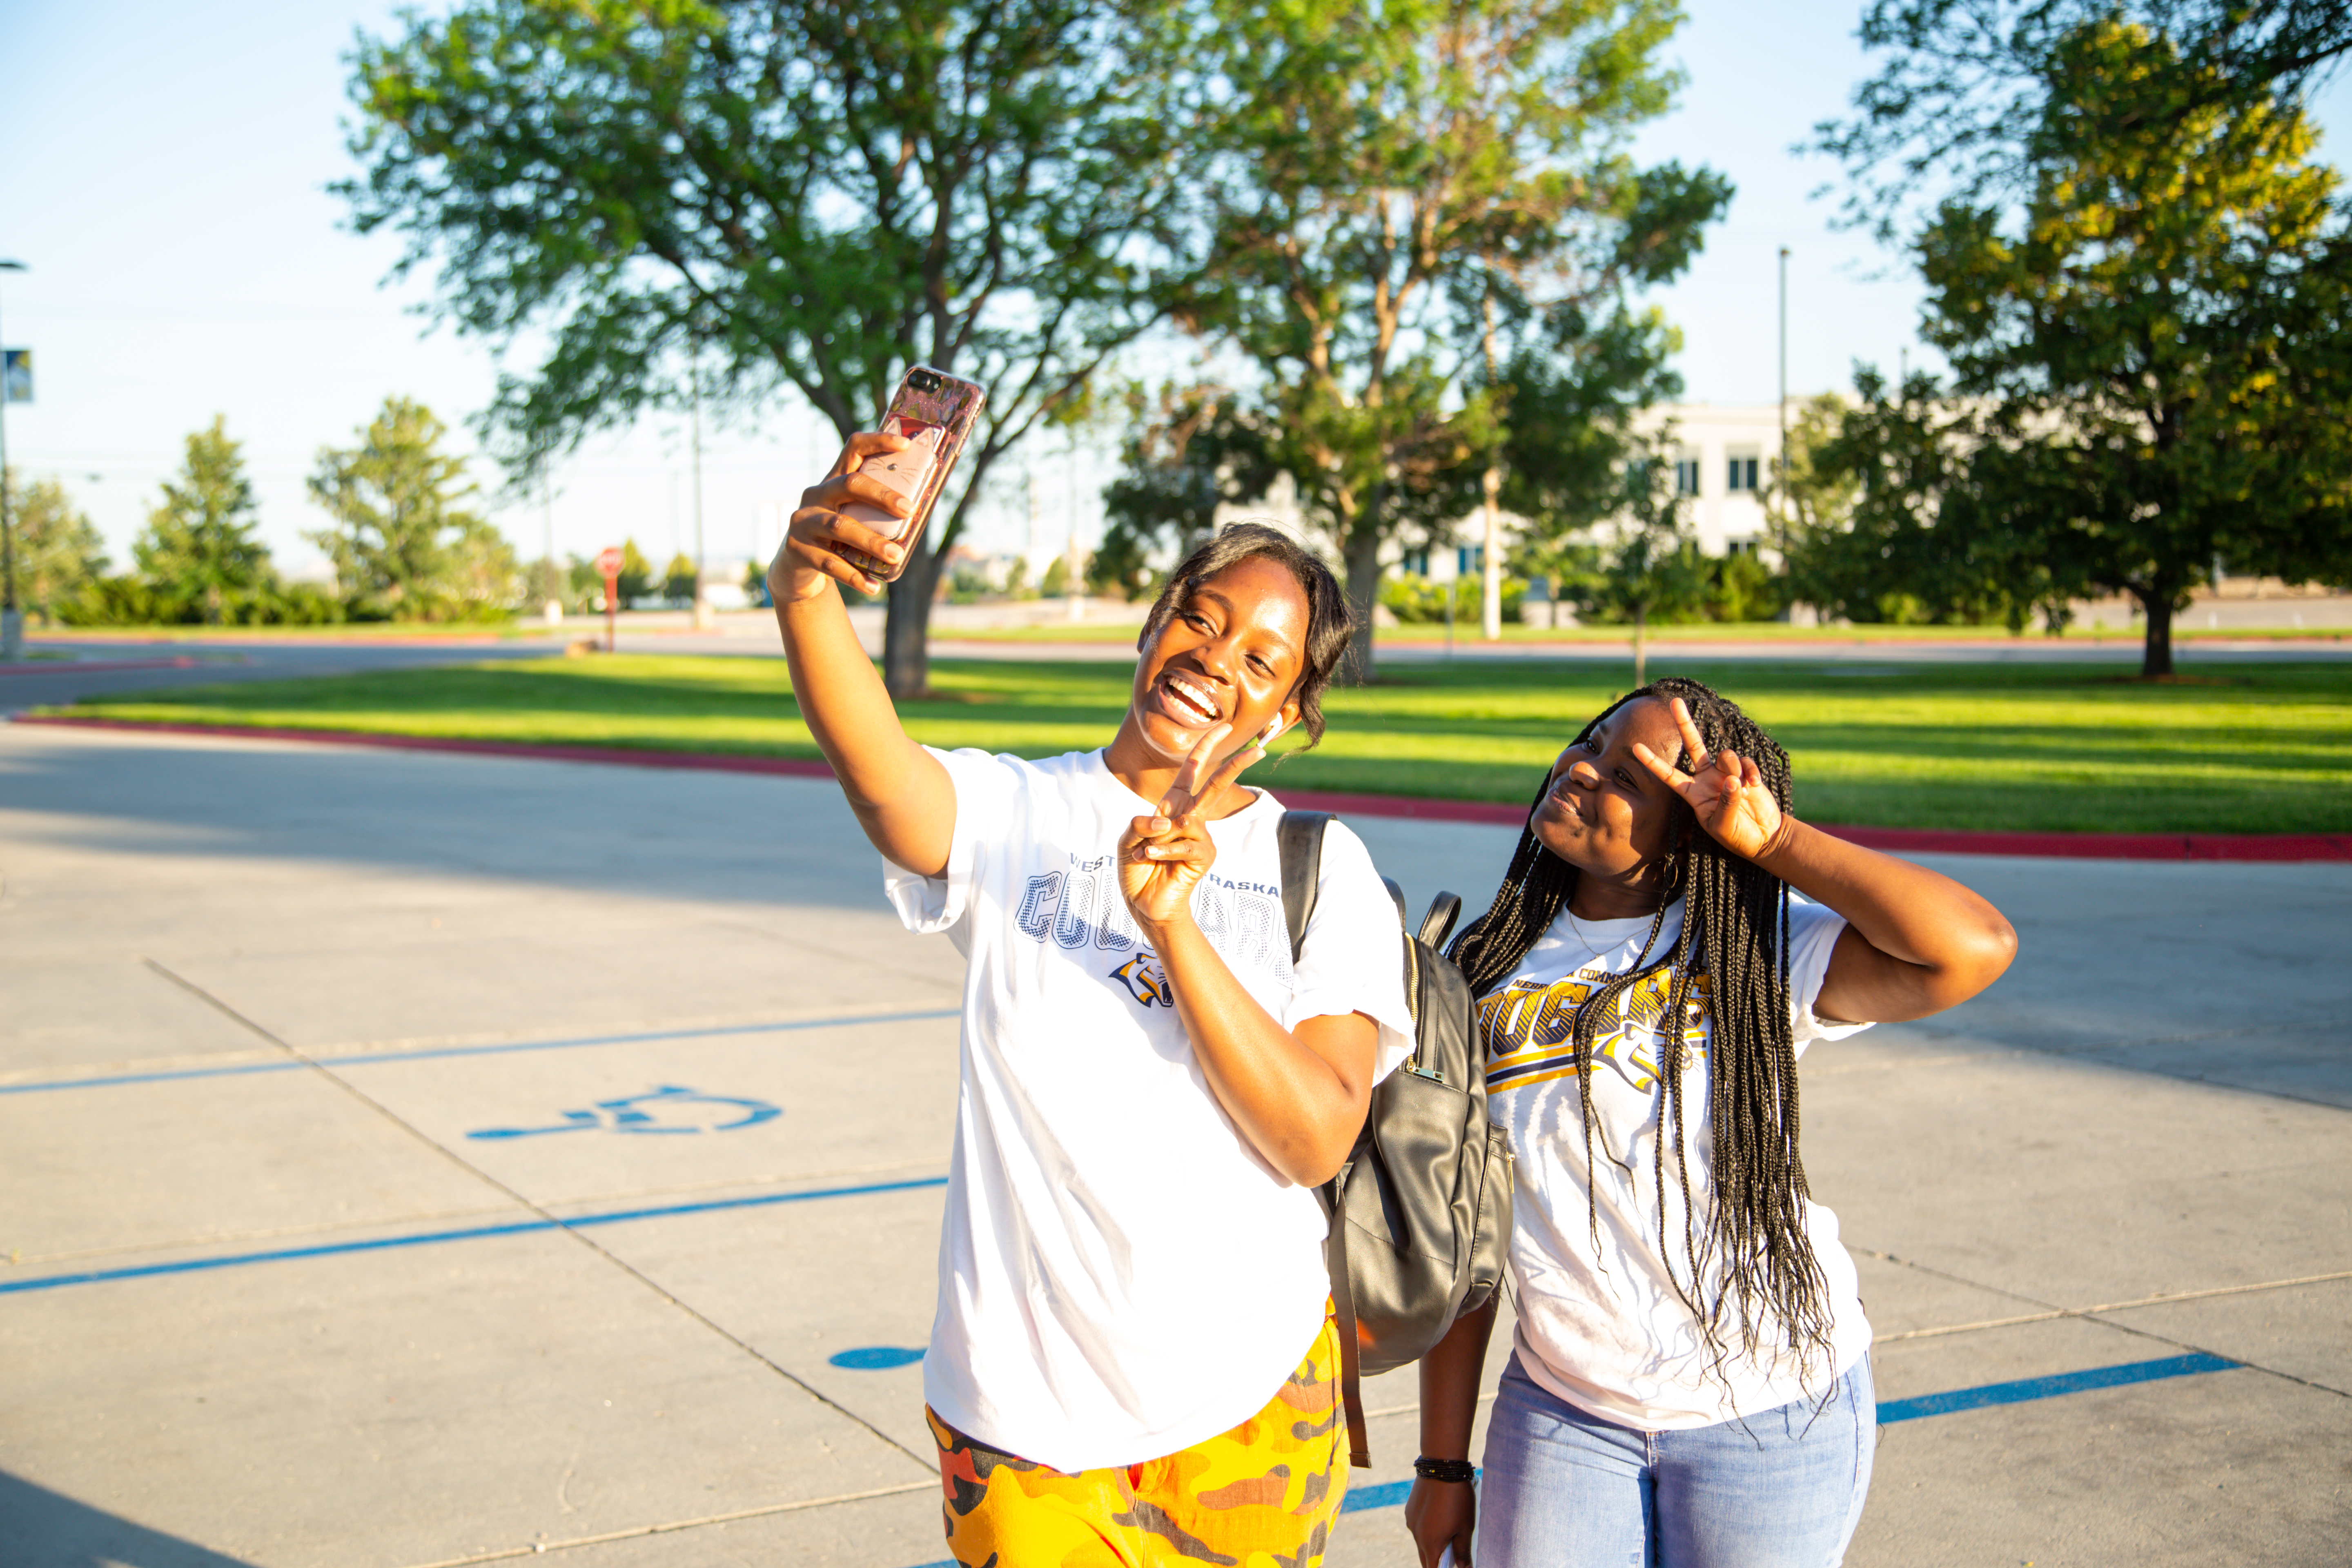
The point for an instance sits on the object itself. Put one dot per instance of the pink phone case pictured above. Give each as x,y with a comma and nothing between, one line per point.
937,411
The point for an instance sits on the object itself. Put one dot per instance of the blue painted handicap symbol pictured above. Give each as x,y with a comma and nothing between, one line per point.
875,1358
670,1108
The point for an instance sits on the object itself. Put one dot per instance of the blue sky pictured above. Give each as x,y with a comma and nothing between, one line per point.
164,175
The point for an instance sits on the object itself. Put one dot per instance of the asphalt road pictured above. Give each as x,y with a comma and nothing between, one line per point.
424,1160
59,670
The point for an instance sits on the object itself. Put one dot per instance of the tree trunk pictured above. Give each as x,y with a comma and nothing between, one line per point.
1363,565
1640,645
2156,604
906,627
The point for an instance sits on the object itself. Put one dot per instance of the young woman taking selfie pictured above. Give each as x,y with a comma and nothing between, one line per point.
1131,1359
1689,1386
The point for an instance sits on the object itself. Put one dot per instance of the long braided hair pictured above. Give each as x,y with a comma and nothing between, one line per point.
1735,935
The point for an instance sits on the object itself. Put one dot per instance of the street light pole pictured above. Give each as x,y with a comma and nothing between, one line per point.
1780,460
12,619
702,615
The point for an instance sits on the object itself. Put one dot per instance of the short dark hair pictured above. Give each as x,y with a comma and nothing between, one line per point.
1329,624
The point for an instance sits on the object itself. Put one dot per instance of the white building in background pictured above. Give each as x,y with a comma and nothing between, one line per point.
1723,466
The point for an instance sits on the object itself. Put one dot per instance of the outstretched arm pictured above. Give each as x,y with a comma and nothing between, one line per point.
1916,941
1298,1095
902,797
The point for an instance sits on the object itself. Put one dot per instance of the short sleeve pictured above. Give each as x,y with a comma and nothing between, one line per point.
1813,933
1353,958
984,788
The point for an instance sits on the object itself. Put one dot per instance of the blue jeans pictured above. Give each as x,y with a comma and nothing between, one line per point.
1780,1489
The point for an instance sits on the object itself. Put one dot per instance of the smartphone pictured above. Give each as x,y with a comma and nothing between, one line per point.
937,412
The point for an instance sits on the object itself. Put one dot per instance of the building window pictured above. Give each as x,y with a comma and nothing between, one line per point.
1739,546
1686,476
1742,475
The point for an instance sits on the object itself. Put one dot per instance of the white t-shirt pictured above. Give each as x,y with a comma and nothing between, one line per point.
1121,1274
1600,1323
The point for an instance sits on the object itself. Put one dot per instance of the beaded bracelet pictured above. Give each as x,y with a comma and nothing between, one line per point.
1445,1469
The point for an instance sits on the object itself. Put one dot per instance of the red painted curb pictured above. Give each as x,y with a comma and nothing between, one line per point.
2244,847
2104,846
74,666
624,756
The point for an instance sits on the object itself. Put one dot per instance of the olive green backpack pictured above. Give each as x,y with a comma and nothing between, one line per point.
1420,1214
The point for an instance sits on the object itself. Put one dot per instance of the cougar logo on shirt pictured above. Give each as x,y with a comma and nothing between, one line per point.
1145,980
1530,1030
1081,908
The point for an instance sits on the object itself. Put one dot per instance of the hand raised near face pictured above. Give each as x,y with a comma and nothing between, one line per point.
1727,793
1162,858
810,553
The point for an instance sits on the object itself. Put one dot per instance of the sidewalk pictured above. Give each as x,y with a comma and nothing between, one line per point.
334,1241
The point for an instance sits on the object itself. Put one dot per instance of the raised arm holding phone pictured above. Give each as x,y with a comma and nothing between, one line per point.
1133,1313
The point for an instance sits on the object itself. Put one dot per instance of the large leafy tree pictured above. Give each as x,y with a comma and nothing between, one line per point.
798,197
1963,98
57,548
403,542
2149,353
1391,180
201,547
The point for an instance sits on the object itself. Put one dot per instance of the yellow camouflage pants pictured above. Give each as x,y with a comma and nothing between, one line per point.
1263,1495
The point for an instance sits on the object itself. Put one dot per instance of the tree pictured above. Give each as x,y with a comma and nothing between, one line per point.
799,197
635,580
1954,111
403,544
679,578
1386,178
1571,447
1646,566
1897,516
1189,450
2150,368
201,547
58,550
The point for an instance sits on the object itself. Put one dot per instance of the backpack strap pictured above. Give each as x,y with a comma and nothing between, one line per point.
1343,1315
1299,837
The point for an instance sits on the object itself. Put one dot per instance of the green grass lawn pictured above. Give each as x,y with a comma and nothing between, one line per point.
2125,638
2249,748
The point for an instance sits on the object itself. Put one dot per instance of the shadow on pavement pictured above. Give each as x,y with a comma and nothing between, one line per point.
43,1529
735,838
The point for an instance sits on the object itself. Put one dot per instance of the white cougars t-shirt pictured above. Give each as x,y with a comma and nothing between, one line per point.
1121,1274
1600,1323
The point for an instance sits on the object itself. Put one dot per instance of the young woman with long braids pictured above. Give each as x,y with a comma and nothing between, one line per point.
1689,1386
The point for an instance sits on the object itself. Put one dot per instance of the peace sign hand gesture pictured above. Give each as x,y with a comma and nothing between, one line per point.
1727,793
1162,858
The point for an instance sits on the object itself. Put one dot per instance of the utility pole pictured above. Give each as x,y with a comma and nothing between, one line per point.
1077,588
702,615
12,620
1780,460
551,612
1490,581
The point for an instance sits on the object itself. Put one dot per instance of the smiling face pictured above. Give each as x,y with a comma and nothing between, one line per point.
1604,813
1231,654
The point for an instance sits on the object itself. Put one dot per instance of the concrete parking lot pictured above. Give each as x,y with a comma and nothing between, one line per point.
418,1160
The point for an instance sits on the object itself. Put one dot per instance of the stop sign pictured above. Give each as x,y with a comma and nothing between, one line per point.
608,562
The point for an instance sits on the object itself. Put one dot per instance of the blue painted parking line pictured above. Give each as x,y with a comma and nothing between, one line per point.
467,1233
1392,1494
372,1058
2032,1388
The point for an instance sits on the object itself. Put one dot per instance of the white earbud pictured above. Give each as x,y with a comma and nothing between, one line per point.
1266,736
